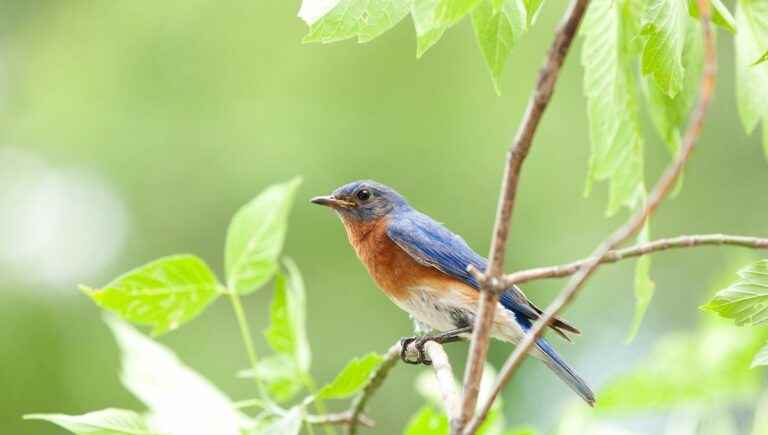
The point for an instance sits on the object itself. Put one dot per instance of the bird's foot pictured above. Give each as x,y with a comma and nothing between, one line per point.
418,342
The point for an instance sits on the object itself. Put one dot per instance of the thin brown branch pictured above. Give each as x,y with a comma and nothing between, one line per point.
516,156
374,382
632,226
340,419
445,380
638,250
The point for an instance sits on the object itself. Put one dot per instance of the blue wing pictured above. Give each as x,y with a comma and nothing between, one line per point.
433,245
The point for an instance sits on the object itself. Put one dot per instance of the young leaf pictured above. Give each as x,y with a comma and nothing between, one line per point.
448,12
497,32
746,301
109,421
164,293
287,332
644,286
720,14
255,237
181,401
428,30
361,19
352,378
279,374
288,424
665,26
751,79
427,421
617,148
761,359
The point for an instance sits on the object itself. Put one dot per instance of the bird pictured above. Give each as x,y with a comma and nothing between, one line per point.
423,268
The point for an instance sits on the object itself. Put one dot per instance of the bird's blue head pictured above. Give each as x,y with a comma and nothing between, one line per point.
363,200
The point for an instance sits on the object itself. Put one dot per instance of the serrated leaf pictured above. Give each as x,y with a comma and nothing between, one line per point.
720,14
165,293
279,374
448,12
497,32
287,333
665,26
617,147
745,301
428,421
751,80
255,237
644,286
352,378
428,30
361,19
670,114
181,401
686,369
109,421
761,359
288,424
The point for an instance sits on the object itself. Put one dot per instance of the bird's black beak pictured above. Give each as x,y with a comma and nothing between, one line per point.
331,201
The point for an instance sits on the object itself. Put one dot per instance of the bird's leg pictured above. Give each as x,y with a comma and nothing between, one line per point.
420,340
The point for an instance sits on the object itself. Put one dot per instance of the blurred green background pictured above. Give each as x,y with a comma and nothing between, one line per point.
133,130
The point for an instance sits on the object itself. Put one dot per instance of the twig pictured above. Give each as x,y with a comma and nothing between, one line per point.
445,380
341,419
638,250
516,156
374,382
622,233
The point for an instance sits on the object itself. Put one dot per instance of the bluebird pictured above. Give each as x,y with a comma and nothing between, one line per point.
422,267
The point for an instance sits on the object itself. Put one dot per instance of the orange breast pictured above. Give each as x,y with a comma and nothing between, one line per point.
392,268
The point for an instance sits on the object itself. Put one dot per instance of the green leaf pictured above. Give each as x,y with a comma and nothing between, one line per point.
165,293
255,237
287,332
288,424
746,301
762,59
720,14
497,32
428,30
361,19
708,367
751,79
109,421
761,359
532,8
181,401
427,421
644,286
617,146
352,378
670,114
523,430
665,26
280,375
448,12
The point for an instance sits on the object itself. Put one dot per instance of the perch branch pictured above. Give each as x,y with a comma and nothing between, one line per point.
516,156
638,250
633,225
445,380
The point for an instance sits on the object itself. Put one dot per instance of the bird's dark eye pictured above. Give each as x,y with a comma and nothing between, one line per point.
363,195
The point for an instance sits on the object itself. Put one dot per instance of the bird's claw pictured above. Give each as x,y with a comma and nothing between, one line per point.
418,342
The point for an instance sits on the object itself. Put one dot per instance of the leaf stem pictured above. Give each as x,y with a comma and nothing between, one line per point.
245,333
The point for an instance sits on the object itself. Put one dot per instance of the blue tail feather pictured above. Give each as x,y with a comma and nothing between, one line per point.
565,372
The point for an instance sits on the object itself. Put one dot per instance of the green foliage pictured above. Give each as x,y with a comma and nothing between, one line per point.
109,421
361,19
428,30
746,300
665,26
164,293
644,286
352,378
449,12
428,421
497,31
255,237
612,106
287,424
761,359
707,367
287,330
762,59
279,375
751,79
720,14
